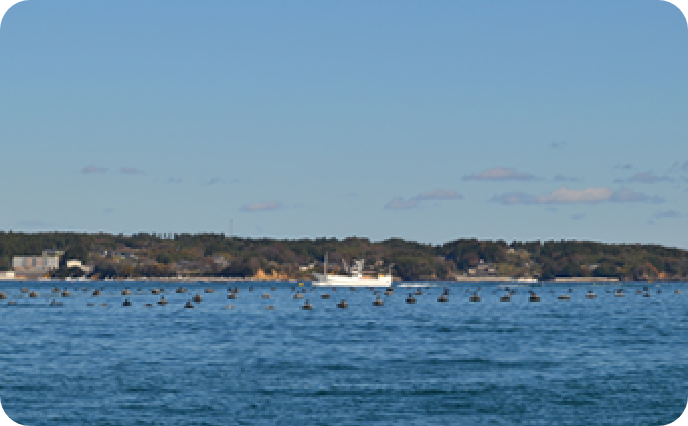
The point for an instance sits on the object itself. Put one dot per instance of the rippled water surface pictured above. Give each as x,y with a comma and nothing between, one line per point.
603,361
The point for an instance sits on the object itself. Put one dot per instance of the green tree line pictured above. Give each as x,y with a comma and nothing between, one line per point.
146,254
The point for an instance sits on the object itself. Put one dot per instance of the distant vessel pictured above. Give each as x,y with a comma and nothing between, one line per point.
527,280
354,277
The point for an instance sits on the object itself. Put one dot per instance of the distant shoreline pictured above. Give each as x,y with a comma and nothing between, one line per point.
221,258
215,280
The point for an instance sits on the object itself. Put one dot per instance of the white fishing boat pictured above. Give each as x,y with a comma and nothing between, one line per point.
354,277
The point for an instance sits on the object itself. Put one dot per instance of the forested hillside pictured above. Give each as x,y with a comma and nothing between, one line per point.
217,255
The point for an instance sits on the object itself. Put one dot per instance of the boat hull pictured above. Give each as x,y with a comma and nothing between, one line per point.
343,281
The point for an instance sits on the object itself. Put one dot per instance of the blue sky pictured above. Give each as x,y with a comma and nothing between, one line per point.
497,120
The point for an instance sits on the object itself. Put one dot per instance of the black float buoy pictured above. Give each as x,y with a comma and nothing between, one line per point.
126,302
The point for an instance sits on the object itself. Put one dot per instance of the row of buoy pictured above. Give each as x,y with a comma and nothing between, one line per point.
388,292
443,298
343,305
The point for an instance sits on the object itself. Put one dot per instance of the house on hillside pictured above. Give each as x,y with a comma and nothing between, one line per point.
482,269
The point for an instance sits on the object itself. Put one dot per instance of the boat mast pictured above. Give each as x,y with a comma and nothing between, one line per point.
325,266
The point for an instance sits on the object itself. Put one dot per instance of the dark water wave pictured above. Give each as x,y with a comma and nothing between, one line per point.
606,361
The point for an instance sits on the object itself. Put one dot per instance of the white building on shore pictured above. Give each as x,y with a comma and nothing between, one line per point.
35,265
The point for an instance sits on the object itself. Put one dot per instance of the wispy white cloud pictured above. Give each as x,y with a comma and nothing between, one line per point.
174,180
668,214
400,203
577,216
565,195
644,177
562,195
562,178
213,181
501,173
629,196
679,167
88,170
262,207
438,194
626,166
131,171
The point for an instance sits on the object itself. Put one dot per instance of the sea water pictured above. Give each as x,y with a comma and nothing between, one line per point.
603,361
